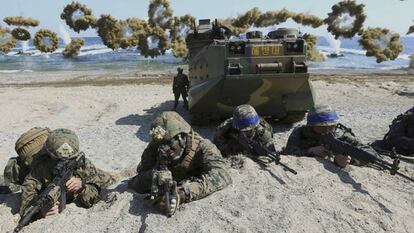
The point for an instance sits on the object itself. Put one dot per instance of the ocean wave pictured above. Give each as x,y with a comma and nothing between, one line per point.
14,71
94,51
326,50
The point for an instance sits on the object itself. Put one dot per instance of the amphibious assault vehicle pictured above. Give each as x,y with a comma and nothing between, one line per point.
270,73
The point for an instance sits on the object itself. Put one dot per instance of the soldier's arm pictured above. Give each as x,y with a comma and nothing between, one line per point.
30,189
266,135
295,145
187,81
214,175
221,137
92,183
15,171
142,181
397,138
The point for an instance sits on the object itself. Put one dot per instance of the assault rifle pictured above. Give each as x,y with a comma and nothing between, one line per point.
340,147
46,199
163,184
259,149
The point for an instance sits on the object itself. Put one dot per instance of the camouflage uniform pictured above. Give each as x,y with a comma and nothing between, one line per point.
181,85
41,174
302,138
28,146
226,137
401,134
199,172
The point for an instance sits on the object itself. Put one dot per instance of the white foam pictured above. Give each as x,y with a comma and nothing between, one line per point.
94,52
14,71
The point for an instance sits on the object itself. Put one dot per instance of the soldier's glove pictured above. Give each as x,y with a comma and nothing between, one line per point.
342,160
174,203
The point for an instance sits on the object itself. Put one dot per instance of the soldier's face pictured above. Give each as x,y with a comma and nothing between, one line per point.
322,130
173,150
248,133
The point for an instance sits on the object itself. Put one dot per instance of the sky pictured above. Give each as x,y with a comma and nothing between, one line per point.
395,15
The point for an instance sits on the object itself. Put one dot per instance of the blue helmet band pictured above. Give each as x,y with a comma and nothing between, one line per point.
246,122
321,118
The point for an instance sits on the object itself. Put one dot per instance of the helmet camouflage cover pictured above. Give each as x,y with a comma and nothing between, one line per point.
167,125
322,115
30,143
62,144
245,118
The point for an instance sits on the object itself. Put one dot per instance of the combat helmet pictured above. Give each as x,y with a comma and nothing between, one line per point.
31,143
245,118
167,125
322,115
180,70
62,144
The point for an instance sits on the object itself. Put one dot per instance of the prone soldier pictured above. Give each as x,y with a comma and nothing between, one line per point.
83,185
178,165
321,121
249,134
28,146
244,123
401,134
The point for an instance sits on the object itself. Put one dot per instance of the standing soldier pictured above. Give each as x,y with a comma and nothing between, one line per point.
322,120
83,187
245,123
28,146
401,134
181,157
180,87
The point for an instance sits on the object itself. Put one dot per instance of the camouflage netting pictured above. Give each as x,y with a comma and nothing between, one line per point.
182,26
78,17
271,18
21,34
312,53
21,21
110,30
119,33
308,20
410,30
381,43
160,14
154,43
46,41
243,22
73,48
179,48
7,41
255,17
346,10
132,30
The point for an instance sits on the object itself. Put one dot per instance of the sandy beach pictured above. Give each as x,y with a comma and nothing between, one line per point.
112,112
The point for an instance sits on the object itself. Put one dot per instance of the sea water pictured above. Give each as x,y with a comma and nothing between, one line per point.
96,56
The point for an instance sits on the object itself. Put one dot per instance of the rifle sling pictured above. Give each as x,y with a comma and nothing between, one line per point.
195,141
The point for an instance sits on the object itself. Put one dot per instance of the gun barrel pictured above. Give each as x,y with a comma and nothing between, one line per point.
288,168
167,200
